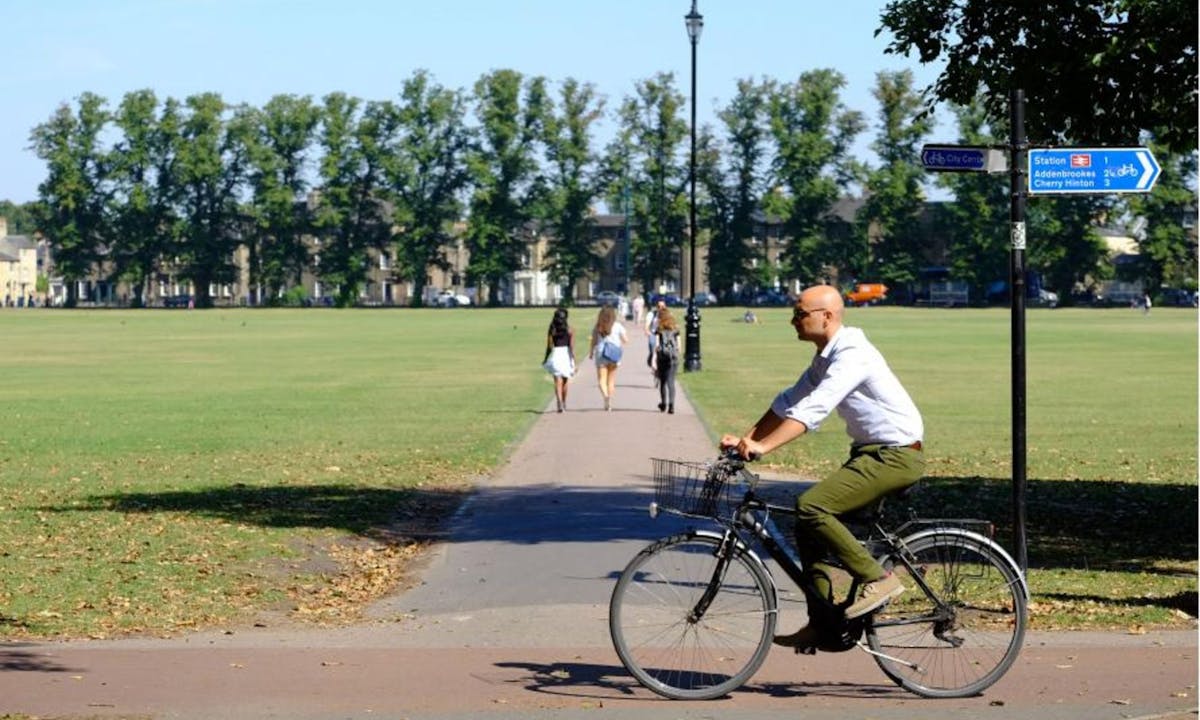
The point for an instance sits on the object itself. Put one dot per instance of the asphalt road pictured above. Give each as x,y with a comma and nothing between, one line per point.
507,619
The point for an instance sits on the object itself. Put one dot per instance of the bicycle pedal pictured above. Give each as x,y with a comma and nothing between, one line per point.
806,650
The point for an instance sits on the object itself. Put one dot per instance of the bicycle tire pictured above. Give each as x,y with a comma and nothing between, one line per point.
971,647
672,655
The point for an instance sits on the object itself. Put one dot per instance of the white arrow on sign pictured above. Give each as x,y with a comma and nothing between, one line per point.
1148,169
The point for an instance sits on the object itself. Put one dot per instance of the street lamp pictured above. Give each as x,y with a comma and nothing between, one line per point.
695,23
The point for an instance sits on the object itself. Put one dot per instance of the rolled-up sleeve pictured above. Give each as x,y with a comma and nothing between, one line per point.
820,390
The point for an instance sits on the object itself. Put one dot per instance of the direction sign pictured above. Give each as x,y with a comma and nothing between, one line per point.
963,158
1058,171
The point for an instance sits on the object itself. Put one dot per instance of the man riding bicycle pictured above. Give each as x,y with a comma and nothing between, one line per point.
850,375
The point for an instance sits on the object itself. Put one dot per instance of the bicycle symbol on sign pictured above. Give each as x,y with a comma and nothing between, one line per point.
1126,170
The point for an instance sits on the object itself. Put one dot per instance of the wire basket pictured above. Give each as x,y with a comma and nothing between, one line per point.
695,489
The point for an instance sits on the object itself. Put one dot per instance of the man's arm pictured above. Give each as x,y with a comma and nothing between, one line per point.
770,432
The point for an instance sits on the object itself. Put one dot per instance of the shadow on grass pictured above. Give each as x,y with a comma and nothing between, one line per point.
373,512
1079,524
1184,601
1070,524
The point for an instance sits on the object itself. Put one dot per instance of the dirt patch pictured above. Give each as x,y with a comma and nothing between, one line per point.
336,581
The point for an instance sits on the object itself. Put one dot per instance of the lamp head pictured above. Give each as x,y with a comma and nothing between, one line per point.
695,23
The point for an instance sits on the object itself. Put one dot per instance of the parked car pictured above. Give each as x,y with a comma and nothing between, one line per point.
608,297
449,299
1036,295
867,294
671,299
706,298
772,298
1174,297
177,301
1047,298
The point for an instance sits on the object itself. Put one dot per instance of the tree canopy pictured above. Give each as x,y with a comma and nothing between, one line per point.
1093,71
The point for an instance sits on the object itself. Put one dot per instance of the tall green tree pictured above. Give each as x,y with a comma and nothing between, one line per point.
353,216
1167,251
572,184
976,222
1062,241
428,176
284,133
509,193
656,174
734,176
813,131
142,200
74,196
894,194
1097,72
211,166
20,217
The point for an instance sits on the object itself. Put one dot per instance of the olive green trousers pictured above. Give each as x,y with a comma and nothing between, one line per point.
871,472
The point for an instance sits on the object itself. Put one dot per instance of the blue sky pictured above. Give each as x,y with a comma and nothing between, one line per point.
250,50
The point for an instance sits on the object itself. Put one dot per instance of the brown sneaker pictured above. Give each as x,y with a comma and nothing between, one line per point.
874,594
807,636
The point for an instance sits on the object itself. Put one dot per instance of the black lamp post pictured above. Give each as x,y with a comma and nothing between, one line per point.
695,23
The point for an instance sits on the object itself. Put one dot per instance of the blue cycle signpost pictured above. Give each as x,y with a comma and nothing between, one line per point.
963,158
1038,171
1061,171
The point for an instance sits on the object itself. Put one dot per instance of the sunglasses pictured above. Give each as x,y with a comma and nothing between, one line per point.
799,314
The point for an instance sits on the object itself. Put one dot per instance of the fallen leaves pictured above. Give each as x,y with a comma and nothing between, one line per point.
367,572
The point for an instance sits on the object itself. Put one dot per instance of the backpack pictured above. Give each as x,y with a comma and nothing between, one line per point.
668,347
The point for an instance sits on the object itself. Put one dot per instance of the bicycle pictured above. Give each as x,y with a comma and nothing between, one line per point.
693,615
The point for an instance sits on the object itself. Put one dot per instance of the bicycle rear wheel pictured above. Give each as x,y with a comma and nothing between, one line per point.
655,631
960,625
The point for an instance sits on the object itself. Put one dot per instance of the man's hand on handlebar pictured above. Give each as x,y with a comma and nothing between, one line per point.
745,447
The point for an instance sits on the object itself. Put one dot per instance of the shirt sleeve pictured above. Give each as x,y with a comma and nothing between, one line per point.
817,394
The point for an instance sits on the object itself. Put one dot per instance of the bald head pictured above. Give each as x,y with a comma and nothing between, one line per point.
824,296
817,315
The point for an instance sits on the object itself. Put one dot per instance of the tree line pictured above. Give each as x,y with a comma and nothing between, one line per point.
188,181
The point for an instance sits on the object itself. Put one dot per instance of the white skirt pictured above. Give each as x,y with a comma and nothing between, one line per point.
560,363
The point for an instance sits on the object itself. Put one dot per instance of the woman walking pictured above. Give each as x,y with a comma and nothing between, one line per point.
560,355
608,342
666,359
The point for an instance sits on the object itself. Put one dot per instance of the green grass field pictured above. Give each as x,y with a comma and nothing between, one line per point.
164,470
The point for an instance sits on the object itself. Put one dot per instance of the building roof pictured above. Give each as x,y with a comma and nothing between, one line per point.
14,243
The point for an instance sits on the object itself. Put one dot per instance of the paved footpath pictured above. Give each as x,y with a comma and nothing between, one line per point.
507,619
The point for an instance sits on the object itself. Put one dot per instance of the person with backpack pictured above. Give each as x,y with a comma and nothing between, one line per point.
666,359
608,342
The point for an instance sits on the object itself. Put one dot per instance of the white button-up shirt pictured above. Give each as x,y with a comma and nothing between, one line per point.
851,375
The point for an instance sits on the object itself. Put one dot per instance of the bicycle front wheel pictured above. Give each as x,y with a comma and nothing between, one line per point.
959,626
670,640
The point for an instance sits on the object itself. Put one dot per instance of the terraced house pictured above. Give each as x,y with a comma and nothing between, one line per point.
18,269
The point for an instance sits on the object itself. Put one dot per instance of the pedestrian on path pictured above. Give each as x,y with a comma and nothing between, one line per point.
639,310
850,375
607,346
666,359
560,355
651,328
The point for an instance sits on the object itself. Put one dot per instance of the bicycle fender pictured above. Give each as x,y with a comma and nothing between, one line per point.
749,551
973,537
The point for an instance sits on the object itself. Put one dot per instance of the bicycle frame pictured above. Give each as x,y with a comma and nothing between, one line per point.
753,518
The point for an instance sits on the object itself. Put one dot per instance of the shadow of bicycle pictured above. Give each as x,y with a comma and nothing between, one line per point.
603,682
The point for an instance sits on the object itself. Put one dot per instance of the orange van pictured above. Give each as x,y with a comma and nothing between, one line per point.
866,294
